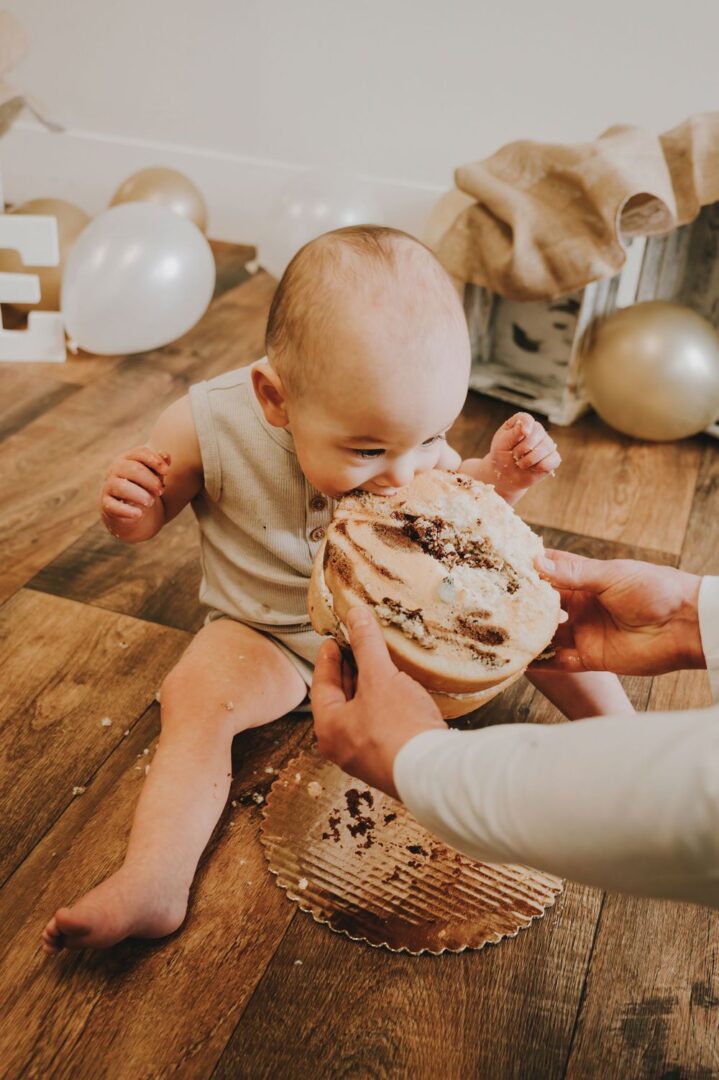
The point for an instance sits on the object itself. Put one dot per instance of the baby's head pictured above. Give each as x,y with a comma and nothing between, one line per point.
368,359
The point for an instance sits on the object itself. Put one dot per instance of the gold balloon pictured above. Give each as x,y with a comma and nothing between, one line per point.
71,220
652,370
166,187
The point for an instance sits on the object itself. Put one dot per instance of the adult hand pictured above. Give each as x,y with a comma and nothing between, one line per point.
625,616
363,719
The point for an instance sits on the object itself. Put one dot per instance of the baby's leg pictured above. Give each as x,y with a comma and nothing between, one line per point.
229,679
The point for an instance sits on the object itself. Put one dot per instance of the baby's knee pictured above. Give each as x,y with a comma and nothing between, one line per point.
186,698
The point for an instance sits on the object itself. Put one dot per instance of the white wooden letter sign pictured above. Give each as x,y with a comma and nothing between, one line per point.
35,238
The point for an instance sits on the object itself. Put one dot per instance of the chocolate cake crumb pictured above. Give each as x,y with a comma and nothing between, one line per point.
417,849
353,797
333,821
389,817
363,825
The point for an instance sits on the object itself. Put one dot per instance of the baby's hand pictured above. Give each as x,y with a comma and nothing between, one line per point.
521,454
132,486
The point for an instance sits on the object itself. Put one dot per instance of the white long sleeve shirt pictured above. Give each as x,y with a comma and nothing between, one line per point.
630,805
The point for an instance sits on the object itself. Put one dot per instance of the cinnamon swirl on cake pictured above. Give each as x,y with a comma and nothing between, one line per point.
447,567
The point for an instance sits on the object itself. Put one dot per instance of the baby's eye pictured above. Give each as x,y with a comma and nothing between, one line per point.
367,453
434,439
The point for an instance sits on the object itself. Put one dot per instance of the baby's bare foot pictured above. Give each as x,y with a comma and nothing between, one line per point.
521,454
124,905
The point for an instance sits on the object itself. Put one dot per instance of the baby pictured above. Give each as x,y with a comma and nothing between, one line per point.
367,368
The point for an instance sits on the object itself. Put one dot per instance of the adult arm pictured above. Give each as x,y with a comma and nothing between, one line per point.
625,805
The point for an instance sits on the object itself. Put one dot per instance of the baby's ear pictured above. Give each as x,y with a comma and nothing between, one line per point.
270,394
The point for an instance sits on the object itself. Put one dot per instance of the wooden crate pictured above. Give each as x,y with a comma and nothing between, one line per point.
528,353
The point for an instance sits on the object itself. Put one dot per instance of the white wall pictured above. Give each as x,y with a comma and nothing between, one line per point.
237,92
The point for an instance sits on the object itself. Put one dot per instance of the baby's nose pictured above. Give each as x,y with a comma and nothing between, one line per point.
399,473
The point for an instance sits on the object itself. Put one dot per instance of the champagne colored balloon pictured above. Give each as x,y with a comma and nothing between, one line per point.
313,202
652,371
138,277
166,187
71,220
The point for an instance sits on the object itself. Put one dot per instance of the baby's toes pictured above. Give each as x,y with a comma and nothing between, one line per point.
51,937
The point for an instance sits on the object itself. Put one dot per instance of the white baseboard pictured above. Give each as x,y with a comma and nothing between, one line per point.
86,167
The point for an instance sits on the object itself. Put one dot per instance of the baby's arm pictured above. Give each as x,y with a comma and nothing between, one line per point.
582,694
149,485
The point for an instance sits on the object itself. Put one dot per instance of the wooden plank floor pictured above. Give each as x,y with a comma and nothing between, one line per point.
602,986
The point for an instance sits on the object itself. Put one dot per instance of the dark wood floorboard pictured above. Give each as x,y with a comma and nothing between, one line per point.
601,986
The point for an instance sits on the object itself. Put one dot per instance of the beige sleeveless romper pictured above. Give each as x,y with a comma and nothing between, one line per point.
261,521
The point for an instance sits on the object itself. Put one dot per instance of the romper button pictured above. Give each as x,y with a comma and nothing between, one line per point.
318,502
317,534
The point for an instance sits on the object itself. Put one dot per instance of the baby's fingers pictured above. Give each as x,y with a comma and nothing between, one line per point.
540,458
157,460
139,474
119,488
547,464
115,508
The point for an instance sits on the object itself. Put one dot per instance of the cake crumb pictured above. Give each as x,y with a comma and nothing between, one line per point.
79,790
125,733
233,803
297,963
123,644
258,797
270,770
298,777
105,722
146,751
147,769
302,883
157,696
229,705
314,789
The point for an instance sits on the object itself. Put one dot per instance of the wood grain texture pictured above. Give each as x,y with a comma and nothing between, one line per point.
616,488
608,485
23,398
143,1008
349,1010
65,667
158,580
700,551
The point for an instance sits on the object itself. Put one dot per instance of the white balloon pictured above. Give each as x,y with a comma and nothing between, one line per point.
138,277
313,202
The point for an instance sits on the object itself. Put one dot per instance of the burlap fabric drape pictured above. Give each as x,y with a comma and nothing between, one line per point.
546,219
